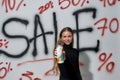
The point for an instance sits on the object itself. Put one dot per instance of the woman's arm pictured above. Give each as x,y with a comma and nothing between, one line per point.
55,65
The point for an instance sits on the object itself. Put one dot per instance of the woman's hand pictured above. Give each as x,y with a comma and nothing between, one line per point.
55,53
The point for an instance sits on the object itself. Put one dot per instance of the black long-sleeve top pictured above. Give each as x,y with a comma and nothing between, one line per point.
69,70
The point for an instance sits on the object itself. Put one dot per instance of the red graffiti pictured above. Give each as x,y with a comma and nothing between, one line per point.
47,73
45,7
5,70
104,58
4,43
81,64
12,4
50,73
113,28
72,2
109,2
84,2
29,75
31,61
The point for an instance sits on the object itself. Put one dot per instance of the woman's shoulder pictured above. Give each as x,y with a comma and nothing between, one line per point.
75,49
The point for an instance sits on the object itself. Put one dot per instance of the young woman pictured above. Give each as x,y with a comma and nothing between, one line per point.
68,63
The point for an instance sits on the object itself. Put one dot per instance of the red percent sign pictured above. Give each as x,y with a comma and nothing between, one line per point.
64,4
104,58
4,43
5,70
84,1
12,4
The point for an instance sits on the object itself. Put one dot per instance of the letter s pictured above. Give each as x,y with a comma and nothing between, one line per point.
25,22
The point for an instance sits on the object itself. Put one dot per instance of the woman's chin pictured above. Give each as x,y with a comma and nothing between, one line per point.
67,43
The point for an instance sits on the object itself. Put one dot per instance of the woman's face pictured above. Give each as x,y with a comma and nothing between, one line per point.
67,37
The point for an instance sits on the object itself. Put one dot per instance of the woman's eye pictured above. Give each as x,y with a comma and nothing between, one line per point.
69,36
64,36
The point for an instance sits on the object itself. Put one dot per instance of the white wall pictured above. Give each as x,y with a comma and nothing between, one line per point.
104,37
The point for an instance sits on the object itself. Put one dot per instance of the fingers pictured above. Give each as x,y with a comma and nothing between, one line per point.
55,54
